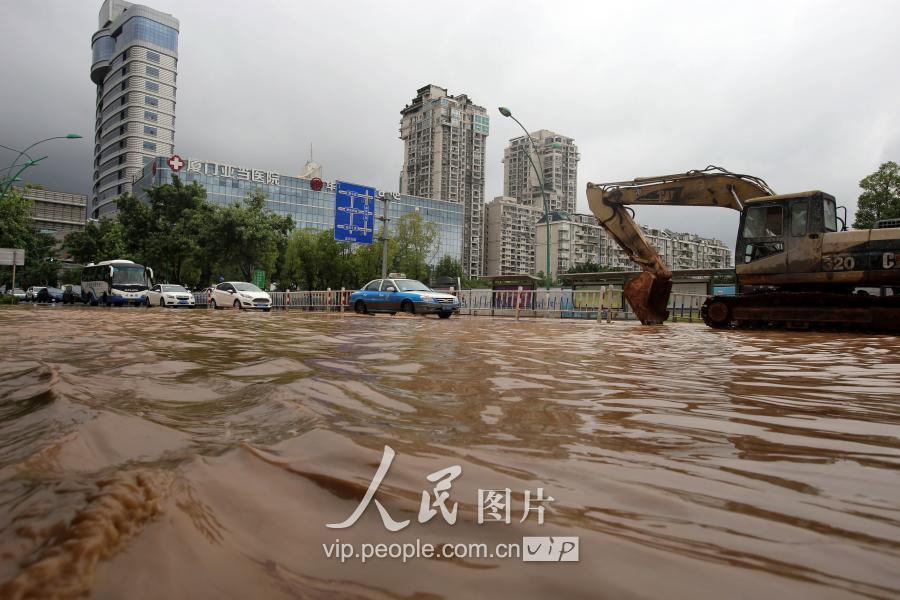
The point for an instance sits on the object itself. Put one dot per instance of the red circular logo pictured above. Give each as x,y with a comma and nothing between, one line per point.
315,184
175,163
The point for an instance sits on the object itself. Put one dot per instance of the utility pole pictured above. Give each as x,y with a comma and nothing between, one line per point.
384,239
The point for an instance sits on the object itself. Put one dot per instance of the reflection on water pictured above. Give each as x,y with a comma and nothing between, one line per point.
150,453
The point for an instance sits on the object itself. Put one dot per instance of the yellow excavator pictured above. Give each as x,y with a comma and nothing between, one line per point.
794,267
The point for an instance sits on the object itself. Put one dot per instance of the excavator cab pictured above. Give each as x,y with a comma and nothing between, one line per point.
783,234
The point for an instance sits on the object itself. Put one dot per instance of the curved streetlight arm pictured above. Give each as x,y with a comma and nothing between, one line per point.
14,150
540,175
7,183
68,136
536,153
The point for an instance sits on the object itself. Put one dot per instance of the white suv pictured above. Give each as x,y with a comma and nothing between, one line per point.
240,295
31,293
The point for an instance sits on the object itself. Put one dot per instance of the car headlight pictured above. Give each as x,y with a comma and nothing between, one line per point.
426,298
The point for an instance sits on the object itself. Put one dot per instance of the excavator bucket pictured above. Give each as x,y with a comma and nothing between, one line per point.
648,296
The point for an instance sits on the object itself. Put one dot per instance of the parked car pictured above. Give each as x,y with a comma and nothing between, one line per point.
165,294
18,293
403,295
240,295
71,293
49,294
32,292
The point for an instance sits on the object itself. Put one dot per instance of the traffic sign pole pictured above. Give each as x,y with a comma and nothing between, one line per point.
384,238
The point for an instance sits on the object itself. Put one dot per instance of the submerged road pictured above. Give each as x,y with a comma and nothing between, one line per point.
153,453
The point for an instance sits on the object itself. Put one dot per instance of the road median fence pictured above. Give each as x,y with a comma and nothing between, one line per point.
601,304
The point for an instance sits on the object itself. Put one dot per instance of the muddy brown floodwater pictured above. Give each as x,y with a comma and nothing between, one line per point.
200,454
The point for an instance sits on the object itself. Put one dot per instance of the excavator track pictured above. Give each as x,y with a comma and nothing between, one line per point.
803,310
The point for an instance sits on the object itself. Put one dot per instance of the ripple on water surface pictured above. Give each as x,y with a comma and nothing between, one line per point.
148,452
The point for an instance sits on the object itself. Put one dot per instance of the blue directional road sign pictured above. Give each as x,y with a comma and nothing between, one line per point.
354,213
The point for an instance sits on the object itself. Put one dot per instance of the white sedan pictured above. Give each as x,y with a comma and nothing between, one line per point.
164,294
240,295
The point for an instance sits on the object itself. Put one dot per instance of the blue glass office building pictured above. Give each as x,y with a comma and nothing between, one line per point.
292,196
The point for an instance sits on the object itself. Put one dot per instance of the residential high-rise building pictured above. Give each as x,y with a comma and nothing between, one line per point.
576,239
509,237
679,251
444,144
135,59
557,155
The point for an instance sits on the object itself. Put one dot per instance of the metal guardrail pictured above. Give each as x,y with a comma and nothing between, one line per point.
604,304
325,301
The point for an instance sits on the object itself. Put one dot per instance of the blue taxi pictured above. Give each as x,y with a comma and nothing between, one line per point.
395,295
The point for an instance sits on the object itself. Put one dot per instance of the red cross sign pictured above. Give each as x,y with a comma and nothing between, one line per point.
175,163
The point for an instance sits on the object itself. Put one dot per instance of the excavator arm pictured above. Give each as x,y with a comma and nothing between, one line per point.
648,294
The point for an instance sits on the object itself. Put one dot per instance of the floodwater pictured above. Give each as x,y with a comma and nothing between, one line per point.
200,454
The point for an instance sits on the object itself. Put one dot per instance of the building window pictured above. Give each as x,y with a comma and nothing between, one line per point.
154,56
151,85
150,116
149,130
142,29
150,146
152,71
150,101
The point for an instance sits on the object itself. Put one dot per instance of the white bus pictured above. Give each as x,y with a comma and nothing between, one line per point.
115,282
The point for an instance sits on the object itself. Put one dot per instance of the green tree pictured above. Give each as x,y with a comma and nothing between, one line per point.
301,265
103,240
16,231
592,267
172,221
70,275
448,267
41,265
137,229
15,220
415,245
367,261
250,236
880,198
334,261
587,267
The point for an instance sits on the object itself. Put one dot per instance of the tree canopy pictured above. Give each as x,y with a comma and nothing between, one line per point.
880,198
17,231
187,240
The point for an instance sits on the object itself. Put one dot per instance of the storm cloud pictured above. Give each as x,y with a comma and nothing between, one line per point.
802,94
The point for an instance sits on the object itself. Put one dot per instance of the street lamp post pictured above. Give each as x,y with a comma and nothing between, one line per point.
540,175
7,182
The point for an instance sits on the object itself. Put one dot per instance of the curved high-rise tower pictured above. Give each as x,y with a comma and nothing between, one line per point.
134,66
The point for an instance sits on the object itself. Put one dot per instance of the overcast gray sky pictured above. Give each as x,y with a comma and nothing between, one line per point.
804,94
